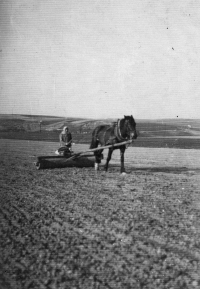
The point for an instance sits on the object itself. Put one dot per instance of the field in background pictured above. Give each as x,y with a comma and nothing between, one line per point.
166,133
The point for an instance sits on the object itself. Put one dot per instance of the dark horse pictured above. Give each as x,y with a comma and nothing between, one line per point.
123,130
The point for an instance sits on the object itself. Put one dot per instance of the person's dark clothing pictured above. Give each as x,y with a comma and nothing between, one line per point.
65,138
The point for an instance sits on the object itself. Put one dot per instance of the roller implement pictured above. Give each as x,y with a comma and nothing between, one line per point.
67,158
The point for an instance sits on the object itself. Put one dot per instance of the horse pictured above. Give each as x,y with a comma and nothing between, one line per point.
122,130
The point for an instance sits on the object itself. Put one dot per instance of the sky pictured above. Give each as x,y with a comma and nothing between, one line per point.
100,58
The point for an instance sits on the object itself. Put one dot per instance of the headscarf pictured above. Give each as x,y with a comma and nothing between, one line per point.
64,128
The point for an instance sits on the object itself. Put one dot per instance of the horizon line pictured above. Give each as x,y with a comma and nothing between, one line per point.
80,117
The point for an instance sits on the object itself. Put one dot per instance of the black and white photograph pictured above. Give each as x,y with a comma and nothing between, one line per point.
99,144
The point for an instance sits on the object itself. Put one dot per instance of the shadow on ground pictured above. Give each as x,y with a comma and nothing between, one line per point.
171,169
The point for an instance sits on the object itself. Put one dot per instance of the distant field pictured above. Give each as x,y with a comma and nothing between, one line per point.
171,133
151,142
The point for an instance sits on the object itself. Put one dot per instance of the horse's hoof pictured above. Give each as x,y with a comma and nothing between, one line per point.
123,174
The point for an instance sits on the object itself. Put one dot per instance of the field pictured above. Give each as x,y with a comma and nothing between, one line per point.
163,133
75,228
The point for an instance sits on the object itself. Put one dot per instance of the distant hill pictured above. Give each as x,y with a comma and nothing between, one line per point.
165,133
146,128
33,123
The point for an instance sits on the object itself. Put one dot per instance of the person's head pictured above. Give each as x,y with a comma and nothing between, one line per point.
65,129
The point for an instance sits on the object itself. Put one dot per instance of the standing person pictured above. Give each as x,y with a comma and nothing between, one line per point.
65,138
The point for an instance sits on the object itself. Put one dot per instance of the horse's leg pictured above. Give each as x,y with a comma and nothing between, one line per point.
94,144
98,157
96,166
122,151
110,151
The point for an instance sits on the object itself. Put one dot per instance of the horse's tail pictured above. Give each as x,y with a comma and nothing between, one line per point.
94,142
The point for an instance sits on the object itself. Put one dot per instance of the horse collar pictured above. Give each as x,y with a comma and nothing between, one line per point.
119,135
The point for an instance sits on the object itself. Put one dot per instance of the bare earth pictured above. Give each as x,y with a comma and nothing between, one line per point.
74,228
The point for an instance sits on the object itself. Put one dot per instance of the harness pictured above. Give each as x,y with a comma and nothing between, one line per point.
117,131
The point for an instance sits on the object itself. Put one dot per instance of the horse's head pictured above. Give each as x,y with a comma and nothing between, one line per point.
130,127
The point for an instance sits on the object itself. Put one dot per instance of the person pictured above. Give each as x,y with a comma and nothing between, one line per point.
65,138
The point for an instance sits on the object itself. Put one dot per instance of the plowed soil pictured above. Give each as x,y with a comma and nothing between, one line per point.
75,228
